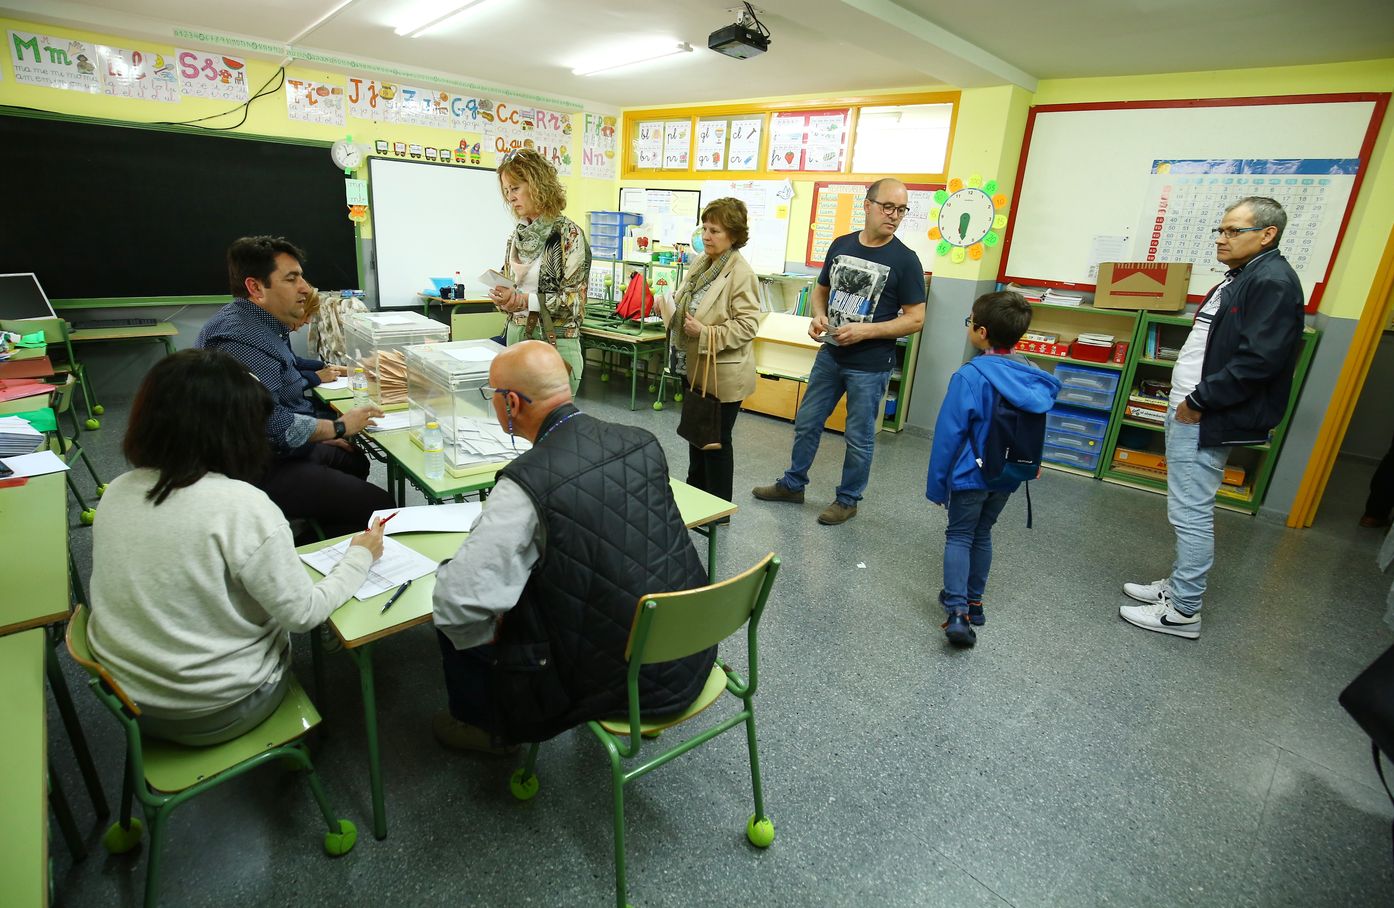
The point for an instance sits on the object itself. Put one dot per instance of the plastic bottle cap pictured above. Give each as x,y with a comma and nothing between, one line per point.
358,369
431,425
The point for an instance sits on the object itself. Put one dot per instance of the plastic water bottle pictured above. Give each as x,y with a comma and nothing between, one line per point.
433,444
358,384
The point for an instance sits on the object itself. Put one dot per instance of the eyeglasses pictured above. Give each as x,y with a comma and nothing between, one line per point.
968,321
891,209
1230,233
488,393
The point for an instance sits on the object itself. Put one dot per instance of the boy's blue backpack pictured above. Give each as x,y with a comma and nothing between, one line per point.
1015,442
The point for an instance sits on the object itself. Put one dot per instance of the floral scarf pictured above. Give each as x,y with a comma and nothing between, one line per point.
528,239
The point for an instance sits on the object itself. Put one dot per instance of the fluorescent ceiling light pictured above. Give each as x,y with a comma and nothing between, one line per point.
683,48
431,16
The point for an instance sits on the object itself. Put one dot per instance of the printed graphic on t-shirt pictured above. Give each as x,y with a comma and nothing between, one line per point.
854,287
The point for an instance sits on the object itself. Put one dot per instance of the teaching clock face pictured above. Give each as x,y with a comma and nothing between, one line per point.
965,217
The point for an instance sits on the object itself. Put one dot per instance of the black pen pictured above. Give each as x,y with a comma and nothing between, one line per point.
395,596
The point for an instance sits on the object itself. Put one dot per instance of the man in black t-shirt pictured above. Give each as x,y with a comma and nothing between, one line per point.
870,292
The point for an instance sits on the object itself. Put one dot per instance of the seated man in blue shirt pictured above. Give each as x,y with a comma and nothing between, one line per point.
317,473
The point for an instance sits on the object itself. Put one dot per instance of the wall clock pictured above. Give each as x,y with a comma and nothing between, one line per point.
967,218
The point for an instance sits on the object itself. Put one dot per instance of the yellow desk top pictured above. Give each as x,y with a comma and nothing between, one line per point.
357,623
159,329
34,527
23,770
637,334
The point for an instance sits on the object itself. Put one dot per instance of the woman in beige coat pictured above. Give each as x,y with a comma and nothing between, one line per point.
717,308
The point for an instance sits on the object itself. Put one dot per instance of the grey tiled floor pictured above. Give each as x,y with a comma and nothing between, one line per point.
1069,759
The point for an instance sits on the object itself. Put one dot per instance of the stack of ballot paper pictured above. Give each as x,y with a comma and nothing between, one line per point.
17,436
470,441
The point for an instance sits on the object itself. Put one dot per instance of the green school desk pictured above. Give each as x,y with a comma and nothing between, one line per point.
23,770
637,342
360,624
33,524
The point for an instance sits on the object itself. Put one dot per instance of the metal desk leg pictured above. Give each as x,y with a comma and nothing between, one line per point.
364,657
633,374
59,686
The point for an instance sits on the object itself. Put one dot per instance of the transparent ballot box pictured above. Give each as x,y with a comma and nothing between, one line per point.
377,341
444,383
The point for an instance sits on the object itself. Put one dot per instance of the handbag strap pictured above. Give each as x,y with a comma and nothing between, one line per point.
709,363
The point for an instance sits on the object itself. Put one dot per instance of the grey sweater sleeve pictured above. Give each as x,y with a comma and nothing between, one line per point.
487,575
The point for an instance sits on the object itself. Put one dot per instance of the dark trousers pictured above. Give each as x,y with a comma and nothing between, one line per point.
328,485
467,683
1381,500
712,471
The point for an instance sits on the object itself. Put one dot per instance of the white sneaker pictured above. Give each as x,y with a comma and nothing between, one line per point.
1161,617
1150,593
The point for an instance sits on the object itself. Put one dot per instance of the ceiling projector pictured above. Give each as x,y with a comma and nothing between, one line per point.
747,38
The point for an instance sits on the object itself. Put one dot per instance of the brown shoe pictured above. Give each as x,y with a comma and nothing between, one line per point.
836,513
1374,523
457,735
776,492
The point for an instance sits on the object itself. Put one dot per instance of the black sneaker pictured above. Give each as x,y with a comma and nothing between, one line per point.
959,631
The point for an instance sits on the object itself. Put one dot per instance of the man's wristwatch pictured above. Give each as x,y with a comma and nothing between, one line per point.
339,428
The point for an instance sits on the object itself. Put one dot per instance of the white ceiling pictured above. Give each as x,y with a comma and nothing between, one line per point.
819,46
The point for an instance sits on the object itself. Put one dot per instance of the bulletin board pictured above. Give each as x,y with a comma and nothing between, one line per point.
431,220
1147,180
111,211
837,210
670,215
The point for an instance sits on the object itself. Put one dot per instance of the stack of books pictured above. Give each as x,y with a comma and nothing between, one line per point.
1032,294
1148,402
17,436
1056,298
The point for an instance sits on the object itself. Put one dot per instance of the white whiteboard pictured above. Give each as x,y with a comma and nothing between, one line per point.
1089,185
431,220
670,215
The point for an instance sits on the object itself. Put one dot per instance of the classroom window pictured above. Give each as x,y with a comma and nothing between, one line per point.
911,138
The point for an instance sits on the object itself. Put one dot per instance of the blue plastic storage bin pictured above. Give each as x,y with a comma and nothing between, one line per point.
1063,419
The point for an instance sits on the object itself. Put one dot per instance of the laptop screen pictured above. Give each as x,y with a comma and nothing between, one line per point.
22,297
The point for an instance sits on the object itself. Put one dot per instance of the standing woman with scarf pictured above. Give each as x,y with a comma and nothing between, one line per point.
717,308
546,256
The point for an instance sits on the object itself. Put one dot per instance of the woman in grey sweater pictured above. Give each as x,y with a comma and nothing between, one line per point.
196,585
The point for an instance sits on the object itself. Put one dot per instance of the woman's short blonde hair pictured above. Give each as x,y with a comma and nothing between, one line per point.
729,215
528,166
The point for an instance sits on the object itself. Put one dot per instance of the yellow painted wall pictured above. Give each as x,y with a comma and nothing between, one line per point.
1373,215
268,115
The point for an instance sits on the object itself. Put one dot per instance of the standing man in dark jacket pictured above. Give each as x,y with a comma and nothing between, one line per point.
533,613
1230,386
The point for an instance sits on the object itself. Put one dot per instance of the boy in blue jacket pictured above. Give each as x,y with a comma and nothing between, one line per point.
997,323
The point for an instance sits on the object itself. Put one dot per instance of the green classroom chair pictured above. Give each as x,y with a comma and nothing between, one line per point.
163,775
669,626
57,331
65,446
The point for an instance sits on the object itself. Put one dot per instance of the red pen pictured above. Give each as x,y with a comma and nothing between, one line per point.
388,517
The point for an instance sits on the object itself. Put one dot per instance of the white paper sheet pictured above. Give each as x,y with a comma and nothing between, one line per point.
339,384
397,565
435,518
18,425
491,279
472,354
386,423
34,464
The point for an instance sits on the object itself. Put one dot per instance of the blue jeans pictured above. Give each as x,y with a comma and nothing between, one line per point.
1193,478
826,384
968,546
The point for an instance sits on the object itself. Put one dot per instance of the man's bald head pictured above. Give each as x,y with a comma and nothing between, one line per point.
532,368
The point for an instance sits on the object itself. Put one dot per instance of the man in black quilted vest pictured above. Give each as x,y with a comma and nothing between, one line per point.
533,613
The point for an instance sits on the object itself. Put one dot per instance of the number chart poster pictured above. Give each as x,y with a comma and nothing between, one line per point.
838,210
55,62
1187,199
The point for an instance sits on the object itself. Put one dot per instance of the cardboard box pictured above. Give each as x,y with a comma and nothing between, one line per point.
1158,286
1156,464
